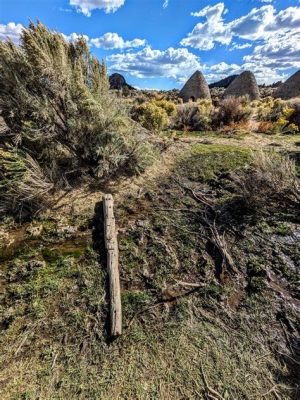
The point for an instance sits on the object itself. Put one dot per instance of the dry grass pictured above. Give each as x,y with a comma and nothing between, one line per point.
162,362
272,178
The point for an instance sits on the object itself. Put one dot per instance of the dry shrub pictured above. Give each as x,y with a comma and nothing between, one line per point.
271,179
265,127
23,186
193,116
232,110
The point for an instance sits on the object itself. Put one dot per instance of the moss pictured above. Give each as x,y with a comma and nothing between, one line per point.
134,302
53,254
284,269
283,229
217,292
264,227
256,274
130,255
209,160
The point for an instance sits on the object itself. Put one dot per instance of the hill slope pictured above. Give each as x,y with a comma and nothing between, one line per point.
223,83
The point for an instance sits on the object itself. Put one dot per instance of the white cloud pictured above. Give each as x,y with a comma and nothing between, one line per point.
87,6
223,67
237,46
11,31
73,37
113,41
280,52
166,3
204,35
253,26
148,63
259,24
211,12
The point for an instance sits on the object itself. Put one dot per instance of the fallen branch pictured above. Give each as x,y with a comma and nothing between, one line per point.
111,245
220,243
191,284
199,197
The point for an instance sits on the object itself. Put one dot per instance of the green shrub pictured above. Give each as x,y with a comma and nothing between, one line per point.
152,117
55,98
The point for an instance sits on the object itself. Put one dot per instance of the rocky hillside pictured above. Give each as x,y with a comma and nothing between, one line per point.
118,82
223,83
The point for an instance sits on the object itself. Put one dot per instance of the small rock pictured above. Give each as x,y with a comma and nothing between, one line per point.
34,231
66,231
34,264
141,223
5,239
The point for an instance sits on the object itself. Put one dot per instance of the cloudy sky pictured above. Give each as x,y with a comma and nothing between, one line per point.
159,43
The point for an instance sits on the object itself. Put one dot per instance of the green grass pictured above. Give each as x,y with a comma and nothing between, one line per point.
209,160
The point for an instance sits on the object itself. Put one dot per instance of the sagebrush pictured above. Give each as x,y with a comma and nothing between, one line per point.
55,100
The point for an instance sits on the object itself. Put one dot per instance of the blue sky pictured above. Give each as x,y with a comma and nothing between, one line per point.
160,43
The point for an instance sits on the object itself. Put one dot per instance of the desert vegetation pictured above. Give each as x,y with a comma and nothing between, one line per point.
207,212
63,122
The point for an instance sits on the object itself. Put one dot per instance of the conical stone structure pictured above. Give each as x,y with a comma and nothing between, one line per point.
244,85
290,88
195,88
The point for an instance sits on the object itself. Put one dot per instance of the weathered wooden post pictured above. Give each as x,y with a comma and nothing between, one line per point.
111,245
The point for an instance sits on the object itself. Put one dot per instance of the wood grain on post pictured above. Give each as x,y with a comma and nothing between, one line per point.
111,245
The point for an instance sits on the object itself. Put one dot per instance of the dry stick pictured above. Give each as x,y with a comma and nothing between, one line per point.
160,302
272,390
220,242
199,197
191,284
208,388
111,245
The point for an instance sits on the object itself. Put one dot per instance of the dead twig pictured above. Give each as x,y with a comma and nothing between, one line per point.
191,284
22,343
176,210
220,243
199,197
272,390
160,302
211,392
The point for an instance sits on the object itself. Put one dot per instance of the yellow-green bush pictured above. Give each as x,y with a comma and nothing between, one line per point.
152,117
276,116
168,106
